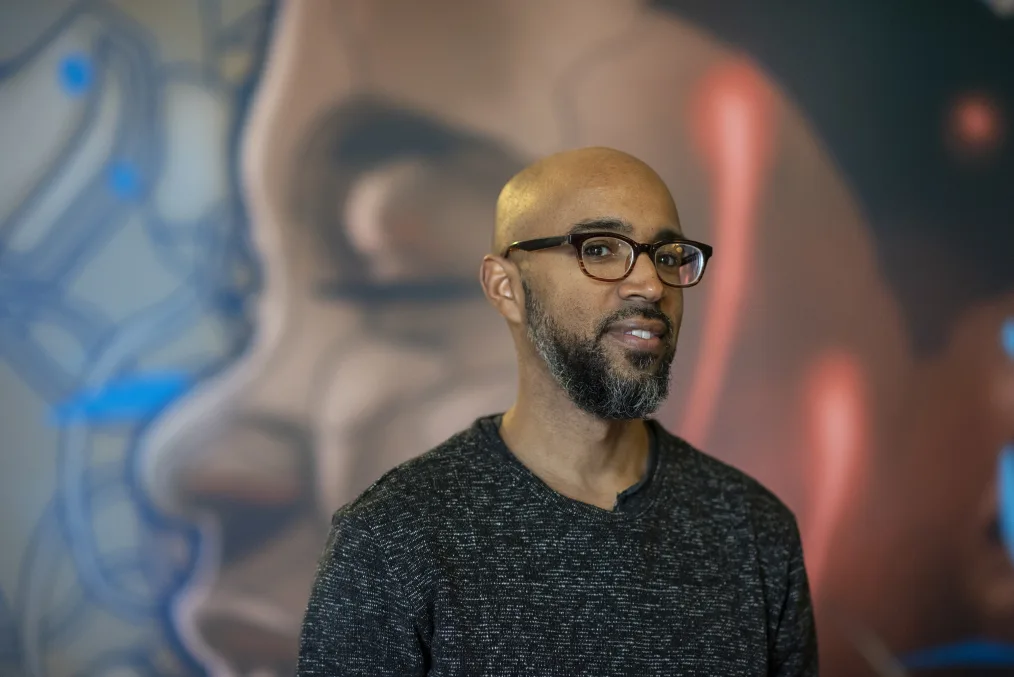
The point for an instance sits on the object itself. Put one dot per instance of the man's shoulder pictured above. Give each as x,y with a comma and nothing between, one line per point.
731,489
421,488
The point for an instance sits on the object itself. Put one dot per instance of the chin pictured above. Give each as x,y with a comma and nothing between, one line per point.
642,362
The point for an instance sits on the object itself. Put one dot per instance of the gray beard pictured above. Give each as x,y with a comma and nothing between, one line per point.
583,370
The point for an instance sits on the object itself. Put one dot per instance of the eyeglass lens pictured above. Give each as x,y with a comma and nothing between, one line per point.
609,258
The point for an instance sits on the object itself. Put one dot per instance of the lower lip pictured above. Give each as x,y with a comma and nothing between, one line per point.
652,344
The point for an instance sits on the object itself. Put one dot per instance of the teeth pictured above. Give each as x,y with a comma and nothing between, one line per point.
640,333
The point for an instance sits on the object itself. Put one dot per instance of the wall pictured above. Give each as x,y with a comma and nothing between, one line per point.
238,245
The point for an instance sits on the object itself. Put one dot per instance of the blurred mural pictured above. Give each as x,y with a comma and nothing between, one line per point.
239,244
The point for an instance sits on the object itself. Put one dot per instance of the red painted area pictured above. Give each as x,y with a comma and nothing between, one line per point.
733,120
975,126
834,410
977,121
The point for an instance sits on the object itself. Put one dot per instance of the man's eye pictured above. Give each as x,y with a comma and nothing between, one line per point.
598,249
669,261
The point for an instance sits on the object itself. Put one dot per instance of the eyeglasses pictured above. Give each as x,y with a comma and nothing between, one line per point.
609,257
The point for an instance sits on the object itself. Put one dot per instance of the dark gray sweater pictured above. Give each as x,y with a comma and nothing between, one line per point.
463,562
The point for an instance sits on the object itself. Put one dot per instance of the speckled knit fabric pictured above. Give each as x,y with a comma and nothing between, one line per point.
463,562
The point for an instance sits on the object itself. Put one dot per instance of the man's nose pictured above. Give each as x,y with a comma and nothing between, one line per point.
643,281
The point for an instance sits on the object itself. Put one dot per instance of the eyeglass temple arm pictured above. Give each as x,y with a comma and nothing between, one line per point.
540,243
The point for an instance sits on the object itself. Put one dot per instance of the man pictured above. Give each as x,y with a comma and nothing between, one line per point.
571,535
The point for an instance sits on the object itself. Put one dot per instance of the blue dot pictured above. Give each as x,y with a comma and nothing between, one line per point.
1007,337
76,74
124,181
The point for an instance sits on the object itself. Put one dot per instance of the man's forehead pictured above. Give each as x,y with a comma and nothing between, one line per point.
637,214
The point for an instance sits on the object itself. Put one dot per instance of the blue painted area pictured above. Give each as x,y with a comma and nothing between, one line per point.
1005,498
1007,337
974,653
123,401
128,57
124,181
76,74
10,643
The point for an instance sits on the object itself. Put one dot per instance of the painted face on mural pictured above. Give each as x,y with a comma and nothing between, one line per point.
795,297
876,401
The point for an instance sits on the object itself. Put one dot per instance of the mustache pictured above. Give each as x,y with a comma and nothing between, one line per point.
634,311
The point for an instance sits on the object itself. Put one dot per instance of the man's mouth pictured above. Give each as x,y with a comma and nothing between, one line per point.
640,334
640,341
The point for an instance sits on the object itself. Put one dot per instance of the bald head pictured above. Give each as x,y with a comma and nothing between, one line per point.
560,183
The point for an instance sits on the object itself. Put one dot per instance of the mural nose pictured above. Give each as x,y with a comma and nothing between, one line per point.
254,477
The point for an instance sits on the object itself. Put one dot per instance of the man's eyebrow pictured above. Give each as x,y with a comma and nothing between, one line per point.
668,234
591,225
621,226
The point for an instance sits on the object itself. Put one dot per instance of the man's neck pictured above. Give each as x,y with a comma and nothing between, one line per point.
580,456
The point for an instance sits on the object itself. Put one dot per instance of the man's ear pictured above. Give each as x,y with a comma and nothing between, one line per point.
502,287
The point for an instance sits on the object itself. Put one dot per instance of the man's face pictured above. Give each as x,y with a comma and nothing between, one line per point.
590,333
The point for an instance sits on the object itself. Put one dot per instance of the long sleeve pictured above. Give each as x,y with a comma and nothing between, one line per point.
357,622
795,638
